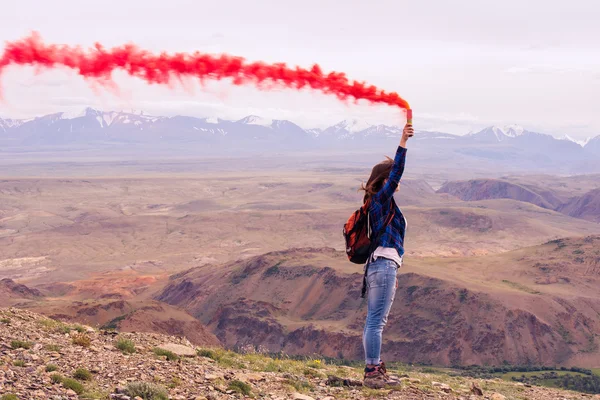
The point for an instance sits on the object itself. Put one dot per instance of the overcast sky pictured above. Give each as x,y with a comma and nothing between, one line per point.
462,64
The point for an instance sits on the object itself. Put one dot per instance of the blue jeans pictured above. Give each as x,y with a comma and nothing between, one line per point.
381,284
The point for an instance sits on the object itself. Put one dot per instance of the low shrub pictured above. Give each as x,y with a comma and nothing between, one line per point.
83,340
147,391
125,345
240,387
82,374
169,354
52,347
51,368
73,385
56,378
20,344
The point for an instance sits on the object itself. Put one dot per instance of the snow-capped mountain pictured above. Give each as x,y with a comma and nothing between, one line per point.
6,124
498,134
346,129
382,131
91,128
315,132
255,120
582,143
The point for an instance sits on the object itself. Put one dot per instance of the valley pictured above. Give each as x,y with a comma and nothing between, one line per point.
238,257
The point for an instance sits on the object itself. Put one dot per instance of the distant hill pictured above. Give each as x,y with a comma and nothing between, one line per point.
586,206
11,291
483,189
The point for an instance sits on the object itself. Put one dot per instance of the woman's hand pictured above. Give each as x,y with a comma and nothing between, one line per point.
406,134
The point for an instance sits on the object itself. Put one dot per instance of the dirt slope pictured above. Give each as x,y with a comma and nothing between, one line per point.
521,307
485,189
586,206
40,357
130,316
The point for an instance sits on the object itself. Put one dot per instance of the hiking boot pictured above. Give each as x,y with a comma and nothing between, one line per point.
383,369
392,381
374,378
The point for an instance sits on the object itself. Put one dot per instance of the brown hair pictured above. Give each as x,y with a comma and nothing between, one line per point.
379,174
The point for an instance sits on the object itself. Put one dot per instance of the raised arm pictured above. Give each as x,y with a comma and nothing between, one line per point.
397,169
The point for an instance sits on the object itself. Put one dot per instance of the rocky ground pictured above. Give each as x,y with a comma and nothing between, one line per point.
45,359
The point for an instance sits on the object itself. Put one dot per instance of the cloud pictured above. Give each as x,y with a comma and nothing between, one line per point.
539,69
72,101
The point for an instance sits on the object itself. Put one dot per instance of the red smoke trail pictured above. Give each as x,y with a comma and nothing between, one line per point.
99,63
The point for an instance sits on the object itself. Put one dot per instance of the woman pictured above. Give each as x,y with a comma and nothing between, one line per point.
388,226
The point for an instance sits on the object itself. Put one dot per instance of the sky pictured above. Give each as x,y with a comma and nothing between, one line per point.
462,64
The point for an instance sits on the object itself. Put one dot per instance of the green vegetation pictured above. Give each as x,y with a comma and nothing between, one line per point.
9,396
565,334
560,243
175,381
315,364
95,393
239,276
581,383
579,379
462,295
476,371
113,324
520,287
49,324
228,359
82,340
313,373
56,378
63,328
169,354
19,344
5,321
299,385
272,271
73,385
208,353
278,362
82,374
125,345
79,328
147,391
19,363
240,387
51,368
52,347
591,346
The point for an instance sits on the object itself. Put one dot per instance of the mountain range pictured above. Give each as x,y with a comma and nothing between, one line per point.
511,145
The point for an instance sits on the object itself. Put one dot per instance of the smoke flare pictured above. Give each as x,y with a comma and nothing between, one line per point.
98,63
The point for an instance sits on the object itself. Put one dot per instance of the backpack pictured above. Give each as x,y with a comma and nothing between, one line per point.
357,234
